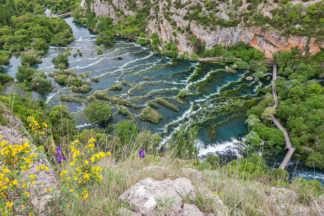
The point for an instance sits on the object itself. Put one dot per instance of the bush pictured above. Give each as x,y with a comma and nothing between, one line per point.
106,38
60,61
307,189
149,114
40,83
4,57
63,124
213,160
98,112
29,58
142,42
5,78
126,132
33,79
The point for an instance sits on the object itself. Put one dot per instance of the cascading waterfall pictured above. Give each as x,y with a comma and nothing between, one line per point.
150,76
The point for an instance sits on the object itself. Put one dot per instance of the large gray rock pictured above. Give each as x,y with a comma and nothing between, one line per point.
150,197
190,210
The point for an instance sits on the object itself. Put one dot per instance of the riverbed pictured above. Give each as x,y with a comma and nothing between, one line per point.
149,76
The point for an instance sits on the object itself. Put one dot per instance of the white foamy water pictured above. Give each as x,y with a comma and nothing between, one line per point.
228,146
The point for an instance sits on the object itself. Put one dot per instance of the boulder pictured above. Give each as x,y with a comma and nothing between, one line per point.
190,210
149,197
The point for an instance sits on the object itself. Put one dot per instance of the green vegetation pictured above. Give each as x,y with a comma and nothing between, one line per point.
116,87
63,77
61,61
124,111
183,144
33,79
167,104
4,60
30,57
64,6
126,132
38,32
98,112
151,115
300,109
106,38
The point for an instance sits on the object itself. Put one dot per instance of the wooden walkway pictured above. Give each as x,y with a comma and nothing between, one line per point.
65,14
291,149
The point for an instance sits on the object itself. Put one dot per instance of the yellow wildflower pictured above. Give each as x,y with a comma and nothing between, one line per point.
9,204
64,172
92,140
5,170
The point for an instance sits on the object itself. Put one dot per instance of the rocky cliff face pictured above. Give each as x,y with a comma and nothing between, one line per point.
169,22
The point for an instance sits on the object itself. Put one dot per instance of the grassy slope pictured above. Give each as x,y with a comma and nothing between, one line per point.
241,197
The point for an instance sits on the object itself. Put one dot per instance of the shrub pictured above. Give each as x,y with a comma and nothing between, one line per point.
16,179
60,61
126,132
40,83
213,160
4,57
29,58
62,122
142,42
98,112
33,79
106,38
5,78
124,111
149,114
307,189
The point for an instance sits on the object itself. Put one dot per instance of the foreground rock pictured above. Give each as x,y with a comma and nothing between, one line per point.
149,197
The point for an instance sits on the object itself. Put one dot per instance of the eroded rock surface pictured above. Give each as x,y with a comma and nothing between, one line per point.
149,197
269,41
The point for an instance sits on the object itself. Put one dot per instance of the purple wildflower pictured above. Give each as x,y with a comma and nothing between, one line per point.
59,156
141,153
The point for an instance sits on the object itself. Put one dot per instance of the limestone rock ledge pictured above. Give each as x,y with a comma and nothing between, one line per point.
167,197
269,42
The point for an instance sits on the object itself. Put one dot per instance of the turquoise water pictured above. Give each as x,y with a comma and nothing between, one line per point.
150,76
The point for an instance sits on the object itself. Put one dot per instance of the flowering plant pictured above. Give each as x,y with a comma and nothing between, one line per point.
141,153
16,178
83,171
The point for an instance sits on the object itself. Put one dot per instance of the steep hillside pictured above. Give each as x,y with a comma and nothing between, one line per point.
194,26
150,185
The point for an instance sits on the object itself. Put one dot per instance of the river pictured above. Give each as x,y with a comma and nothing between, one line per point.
150,76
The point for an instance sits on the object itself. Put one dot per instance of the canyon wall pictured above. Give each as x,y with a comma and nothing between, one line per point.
269,42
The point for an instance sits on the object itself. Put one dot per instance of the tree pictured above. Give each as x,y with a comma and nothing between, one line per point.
106,38
268,112
98,112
